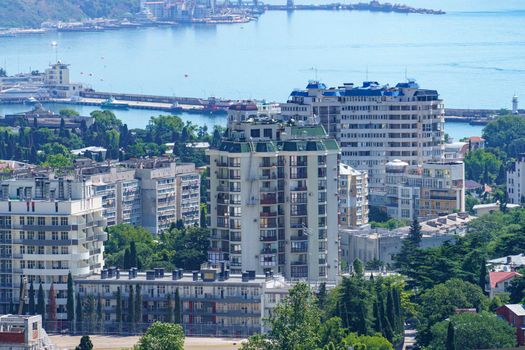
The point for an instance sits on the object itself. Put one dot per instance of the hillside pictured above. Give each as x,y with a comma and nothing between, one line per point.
31,13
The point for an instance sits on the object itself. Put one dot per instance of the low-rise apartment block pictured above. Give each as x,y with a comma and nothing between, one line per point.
435,188
369,244
211,302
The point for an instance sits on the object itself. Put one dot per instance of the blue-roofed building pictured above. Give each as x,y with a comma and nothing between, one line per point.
375,123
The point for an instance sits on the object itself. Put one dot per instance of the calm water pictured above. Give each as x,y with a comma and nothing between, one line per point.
474,55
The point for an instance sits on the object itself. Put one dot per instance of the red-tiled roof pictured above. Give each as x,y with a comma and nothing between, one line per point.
497,277
476,139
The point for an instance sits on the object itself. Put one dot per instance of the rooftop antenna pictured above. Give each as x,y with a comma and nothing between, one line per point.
367,73
406,74
315,72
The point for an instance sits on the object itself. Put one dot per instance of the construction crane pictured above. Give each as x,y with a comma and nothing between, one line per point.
23,296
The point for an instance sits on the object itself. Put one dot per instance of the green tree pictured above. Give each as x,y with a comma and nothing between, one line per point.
474,331
79,317
294,324
70,304
169,309
41,302
138,306
177,307
85,343
68,112
100,316
358,267
31,295
162,336
483,273
451,338
482,166
367,342
131,309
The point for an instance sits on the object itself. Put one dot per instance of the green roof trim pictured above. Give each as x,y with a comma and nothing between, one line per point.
308,131
331,144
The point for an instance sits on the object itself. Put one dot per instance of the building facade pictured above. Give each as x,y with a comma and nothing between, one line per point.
49,227
273,198
430,190
375,124
516,181
353,197
211,302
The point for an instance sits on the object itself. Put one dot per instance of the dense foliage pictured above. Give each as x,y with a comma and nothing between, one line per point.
49,147
297,324
128,246
162,336
472,332
31,13
453,276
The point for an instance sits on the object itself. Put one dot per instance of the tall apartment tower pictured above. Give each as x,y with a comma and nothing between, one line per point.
375,124
273,197
48,228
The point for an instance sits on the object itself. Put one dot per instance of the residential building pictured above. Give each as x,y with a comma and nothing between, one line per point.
353,197
279,179
483,209
169,192
49,227
435,188
369,244
516,181
514,314
213,302
375,124
499,281
46,119
507,263
152,193
19,332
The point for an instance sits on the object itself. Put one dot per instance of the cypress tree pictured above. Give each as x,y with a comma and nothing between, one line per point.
397,307
70,305
119,310
321,295
414,234
100,318
78,315
177,309
483,275
127,263
390,310
138,307
32,306
451,341
378,324
133,258
170,309
41,303
131,308
21,296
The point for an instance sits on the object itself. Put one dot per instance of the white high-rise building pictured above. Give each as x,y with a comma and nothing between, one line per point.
375,124
273,197
516,181
48,228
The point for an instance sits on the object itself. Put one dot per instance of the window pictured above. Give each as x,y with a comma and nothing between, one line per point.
30,220
41,235
41,220
64,221
64,236
54,236
54,221
22,220
64,250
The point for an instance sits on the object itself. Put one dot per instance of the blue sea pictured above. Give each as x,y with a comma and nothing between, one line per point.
473,55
